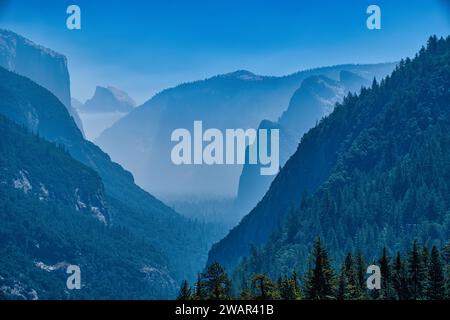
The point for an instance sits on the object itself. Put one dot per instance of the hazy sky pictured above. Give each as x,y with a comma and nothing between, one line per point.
146,46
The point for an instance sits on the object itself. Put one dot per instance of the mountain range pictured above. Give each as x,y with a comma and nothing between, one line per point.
141,141
364,166
182,241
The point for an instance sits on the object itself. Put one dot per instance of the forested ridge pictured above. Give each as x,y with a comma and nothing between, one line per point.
50,207
185,242
388,150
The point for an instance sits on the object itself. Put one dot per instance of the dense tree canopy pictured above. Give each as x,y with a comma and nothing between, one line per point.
406,277
391,181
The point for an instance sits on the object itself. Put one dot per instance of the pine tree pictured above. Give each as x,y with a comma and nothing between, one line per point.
446,255
297,289
400,279
185,292
263,288
217,283
319,283
436,280
349,287
288,288
426,265
417,274
341,287
361,269
387,291
200,290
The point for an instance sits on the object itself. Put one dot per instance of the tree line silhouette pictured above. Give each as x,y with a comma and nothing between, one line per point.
419,274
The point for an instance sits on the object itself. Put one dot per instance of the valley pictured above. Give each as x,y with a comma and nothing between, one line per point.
226,183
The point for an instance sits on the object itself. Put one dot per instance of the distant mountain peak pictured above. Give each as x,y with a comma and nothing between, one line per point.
243,75
122,96
109,99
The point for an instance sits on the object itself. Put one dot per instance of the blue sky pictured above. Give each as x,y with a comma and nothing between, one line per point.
146,46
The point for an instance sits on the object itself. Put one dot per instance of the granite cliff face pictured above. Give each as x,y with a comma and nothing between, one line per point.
44,66
314,100
107,106
109,99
